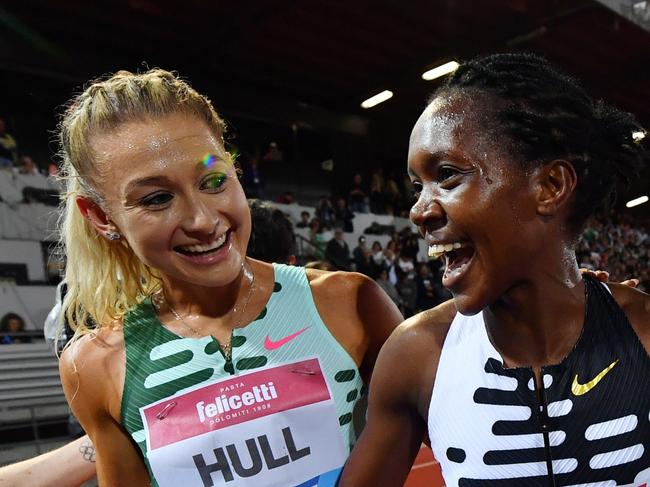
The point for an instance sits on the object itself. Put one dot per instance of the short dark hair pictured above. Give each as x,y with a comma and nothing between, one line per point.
272,238
4,323
548,115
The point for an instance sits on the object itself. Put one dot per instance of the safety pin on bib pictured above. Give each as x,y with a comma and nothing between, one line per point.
303,371
165,411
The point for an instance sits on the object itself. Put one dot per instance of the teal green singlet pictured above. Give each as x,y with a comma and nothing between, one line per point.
160,364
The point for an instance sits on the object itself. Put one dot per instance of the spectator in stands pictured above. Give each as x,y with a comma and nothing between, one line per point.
272,238
12,323
377,198
389,288
427,297
338,251
357,197
408,291
378,260
8,147
343,216
392,196
36,187
362,257
252,177
273,154
409,243
391,252
52,169
377,178
28,167
317,239
286,199
325,212
304,220
405,263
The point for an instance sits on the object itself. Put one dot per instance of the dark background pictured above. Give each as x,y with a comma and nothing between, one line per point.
295,72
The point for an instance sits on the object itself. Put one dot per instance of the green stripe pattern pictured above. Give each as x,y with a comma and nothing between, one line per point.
160,364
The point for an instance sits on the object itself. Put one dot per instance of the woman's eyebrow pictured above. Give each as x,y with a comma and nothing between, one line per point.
433,158
146,181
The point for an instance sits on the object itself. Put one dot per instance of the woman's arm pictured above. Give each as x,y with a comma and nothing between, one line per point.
89,368
400,393
394,431
68,466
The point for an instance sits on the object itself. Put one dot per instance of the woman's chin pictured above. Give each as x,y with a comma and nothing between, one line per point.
468,305
218,275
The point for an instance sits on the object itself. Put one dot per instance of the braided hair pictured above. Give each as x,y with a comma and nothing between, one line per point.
548,115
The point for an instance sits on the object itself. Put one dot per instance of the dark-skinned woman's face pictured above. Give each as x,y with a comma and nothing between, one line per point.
474,201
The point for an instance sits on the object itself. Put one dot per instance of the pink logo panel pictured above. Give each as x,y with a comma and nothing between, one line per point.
233,401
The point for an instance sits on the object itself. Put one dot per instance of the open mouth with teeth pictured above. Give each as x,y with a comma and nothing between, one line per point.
204,249
457,258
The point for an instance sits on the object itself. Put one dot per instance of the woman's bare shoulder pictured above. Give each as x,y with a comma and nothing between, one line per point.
95,347
92,368
426,331
335,281
340,287
352,294
636,306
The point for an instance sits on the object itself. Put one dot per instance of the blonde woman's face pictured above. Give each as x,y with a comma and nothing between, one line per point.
174,195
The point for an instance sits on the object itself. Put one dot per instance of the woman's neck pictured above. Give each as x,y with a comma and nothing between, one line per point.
215,302
538,320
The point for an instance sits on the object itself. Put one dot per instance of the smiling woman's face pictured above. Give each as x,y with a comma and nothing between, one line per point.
472,197
181,212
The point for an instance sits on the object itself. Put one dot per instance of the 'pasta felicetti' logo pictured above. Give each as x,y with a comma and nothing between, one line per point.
223,404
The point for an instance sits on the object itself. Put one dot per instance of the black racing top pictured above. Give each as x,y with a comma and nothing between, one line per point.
588,425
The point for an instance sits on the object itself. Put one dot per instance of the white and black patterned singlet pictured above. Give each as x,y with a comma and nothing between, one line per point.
488,427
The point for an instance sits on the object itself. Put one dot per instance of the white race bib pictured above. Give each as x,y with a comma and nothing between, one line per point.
275,426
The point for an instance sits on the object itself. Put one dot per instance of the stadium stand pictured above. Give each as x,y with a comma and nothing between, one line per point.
30,389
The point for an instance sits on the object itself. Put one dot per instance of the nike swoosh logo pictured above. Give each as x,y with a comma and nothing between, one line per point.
580,389
273,345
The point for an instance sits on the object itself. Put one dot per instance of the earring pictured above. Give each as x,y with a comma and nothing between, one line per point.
113,235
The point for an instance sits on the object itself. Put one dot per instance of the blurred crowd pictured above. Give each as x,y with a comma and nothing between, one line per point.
608,242
413,285
380,194
611,243
21,173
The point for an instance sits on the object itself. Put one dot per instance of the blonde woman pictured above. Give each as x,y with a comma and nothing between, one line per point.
206,366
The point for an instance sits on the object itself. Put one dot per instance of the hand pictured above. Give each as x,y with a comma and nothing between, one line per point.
603,276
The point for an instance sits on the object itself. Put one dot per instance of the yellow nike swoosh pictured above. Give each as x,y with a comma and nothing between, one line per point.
580,389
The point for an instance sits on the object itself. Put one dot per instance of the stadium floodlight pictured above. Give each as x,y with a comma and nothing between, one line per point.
377,99
636,201
441,70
